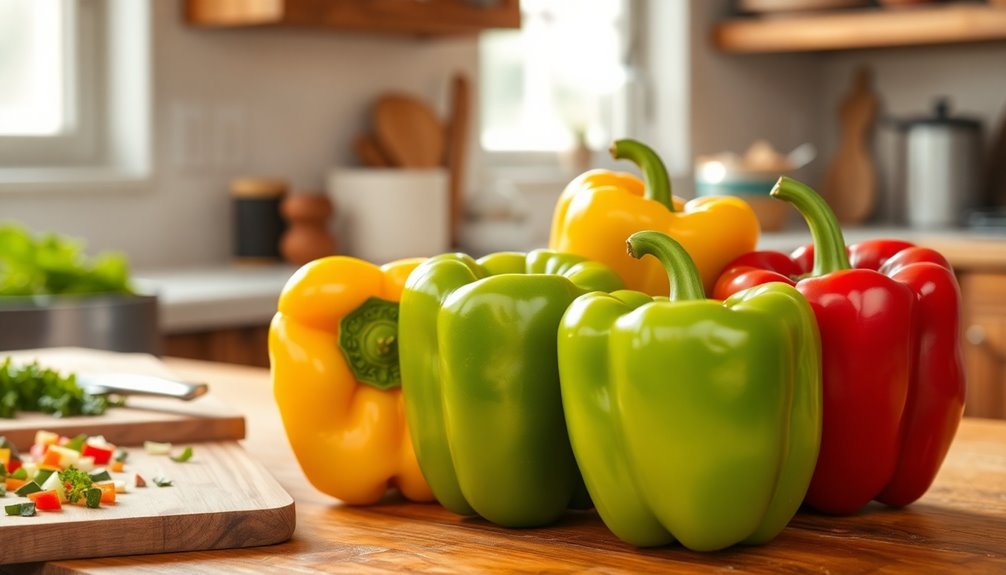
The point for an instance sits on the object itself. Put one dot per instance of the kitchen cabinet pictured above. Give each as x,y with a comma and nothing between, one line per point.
427,17
983,322
240,345
867,28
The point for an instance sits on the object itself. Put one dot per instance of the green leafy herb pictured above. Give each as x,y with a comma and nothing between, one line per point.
162,481
26,509
31,387
54,264
77,484
184,456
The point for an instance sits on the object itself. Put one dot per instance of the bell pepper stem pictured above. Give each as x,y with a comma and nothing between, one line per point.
829,244
658,184
682,275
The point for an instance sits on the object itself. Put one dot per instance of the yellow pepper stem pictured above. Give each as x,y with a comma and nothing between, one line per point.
658,184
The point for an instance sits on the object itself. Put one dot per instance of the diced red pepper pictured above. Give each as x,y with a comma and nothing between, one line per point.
101,455
14,464
46,500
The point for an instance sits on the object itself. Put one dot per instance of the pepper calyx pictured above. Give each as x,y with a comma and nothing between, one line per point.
368,338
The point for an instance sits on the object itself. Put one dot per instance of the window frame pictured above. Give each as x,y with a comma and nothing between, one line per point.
110,69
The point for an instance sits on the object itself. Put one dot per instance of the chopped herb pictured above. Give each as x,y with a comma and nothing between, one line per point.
20,473
184,456
26,509
32,387
162,481
77,483
30,487
101,475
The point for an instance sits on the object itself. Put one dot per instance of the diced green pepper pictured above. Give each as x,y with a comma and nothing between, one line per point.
92,498
101,475
26,509
30,487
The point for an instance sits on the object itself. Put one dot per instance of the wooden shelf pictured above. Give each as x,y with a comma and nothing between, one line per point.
429,17
945,24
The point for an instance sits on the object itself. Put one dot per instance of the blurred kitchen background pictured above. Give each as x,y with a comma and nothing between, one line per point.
193,135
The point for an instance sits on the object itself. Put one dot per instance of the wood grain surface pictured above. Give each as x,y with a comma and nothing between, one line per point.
206,418
959,526
220,499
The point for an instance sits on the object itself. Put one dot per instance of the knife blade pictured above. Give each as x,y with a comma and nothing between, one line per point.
139,384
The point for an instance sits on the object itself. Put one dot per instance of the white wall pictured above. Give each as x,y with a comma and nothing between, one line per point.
227,103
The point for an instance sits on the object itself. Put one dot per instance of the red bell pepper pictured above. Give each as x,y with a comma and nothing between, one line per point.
46,500
893,380
101,454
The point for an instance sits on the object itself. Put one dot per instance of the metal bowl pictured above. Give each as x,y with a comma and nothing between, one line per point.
126,323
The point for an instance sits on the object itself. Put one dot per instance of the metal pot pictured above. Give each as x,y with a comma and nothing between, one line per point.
942,168
109,322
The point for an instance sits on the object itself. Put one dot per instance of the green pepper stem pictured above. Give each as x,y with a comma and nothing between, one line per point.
658,184
682,275
829,244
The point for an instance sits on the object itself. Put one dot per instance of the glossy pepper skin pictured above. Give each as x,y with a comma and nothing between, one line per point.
600,208
335,378
893,375
477,341
692,419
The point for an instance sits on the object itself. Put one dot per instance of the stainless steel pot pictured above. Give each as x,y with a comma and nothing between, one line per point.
942,168
110,322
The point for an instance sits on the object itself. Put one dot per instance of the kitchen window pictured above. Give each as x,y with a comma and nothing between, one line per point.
577,73
557,78
64,64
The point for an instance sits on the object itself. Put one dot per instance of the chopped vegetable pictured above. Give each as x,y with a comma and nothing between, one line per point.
3,490
46,500
12,484
77,443
4,457
42,475
139,481
32,387
162,481
3,471
101,475
76,483
92,498
19,474
107,491
156,448
117,467
55,484
28,488
184,456
101,454
26,509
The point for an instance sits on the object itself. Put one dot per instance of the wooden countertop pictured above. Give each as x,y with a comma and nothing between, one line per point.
960,525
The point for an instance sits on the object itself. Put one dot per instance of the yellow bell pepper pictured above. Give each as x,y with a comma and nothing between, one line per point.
600,209
334,362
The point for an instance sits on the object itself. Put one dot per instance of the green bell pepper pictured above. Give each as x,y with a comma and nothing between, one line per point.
477,351
692,419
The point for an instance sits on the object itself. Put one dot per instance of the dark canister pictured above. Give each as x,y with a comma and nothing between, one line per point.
258,225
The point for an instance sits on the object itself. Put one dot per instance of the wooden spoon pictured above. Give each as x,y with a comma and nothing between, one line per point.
369,152
850,183
408,131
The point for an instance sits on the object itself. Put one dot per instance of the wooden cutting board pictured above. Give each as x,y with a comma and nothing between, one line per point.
220,499
145,418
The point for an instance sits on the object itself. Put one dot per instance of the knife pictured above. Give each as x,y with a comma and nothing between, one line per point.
138,384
